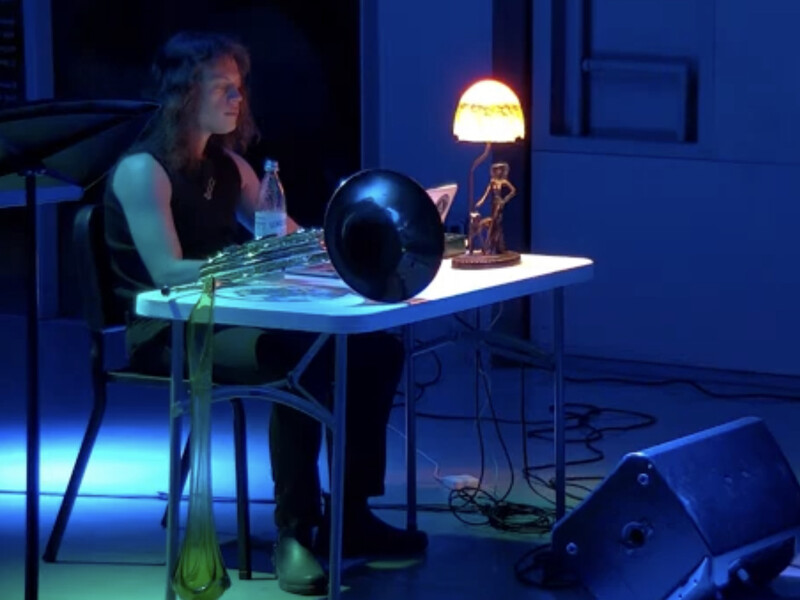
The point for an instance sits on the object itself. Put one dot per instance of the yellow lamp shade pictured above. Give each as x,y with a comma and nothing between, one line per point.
489,111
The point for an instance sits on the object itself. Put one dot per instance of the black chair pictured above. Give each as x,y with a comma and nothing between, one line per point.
102,319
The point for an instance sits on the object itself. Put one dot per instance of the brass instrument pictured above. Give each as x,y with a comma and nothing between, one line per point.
384,237
265,255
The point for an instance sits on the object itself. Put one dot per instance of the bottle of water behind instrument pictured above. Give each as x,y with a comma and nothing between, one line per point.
270,214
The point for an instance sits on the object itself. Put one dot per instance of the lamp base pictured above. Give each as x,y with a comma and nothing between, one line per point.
479,260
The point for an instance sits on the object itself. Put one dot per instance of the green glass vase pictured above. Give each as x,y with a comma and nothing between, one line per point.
200,572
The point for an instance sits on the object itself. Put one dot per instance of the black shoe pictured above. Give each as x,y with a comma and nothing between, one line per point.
366,535
297,570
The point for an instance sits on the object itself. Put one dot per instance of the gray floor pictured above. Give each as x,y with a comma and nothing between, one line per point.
128,471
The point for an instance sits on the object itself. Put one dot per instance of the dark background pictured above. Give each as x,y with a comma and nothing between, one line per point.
304,91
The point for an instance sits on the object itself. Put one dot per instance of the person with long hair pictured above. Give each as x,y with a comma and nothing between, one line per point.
182,193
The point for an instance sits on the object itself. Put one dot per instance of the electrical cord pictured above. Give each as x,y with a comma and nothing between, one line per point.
574,421
488,390
449,417
421,387
481,447
507,516
592,434
702,388
476,506
435,464
581,419
539,568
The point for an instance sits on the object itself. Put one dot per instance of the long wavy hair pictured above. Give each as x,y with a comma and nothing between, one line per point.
177,73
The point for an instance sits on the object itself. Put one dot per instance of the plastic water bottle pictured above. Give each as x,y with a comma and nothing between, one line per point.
270,214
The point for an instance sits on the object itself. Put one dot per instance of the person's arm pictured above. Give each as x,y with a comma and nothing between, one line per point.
249,197
144,191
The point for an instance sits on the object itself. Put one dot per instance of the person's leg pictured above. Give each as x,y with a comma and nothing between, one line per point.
255,356
252,356
295,441
294,438
375,366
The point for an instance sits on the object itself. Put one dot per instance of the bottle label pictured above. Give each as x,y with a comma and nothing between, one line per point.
270,222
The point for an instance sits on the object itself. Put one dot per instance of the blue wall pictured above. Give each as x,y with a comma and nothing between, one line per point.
425,54
694,240
672,159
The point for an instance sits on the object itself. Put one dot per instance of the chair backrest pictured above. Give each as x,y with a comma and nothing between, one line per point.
94,270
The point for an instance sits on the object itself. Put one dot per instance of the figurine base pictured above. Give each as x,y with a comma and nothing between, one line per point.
479,260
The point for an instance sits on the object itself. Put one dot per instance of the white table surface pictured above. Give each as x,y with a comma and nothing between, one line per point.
280,302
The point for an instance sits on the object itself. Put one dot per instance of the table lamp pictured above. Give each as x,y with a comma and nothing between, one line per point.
489,111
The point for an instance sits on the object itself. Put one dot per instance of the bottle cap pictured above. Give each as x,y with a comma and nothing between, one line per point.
270,164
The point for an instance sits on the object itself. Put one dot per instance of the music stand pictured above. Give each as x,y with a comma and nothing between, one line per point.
76,142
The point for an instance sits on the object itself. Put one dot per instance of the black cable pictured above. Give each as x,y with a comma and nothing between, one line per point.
522,420
487,389
470,493
575,420
447,417
421,387
592,434
595,434
483,508
703,389
477,507
539,568
580,421
579,417
526,469
678,381
480,436
480,504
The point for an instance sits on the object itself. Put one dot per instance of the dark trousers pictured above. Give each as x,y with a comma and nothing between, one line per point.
252,356
375,364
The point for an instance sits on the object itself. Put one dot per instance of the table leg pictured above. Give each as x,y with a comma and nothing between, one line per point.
33,425
177,394
337,466
411,430
559,424
476,397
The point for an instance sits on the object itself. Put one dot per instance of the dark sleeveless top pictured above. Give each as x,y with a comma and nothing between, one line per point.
203,204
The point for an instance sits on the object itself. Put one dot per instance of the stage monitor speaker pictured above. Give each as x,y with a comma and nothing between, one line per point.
688,519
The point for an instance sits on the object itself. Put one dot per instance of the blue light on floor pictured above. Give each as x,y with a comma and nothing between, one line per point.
125,462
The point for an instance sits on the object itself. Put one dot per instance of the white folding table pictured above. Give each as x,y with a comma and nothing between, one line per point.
332,309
